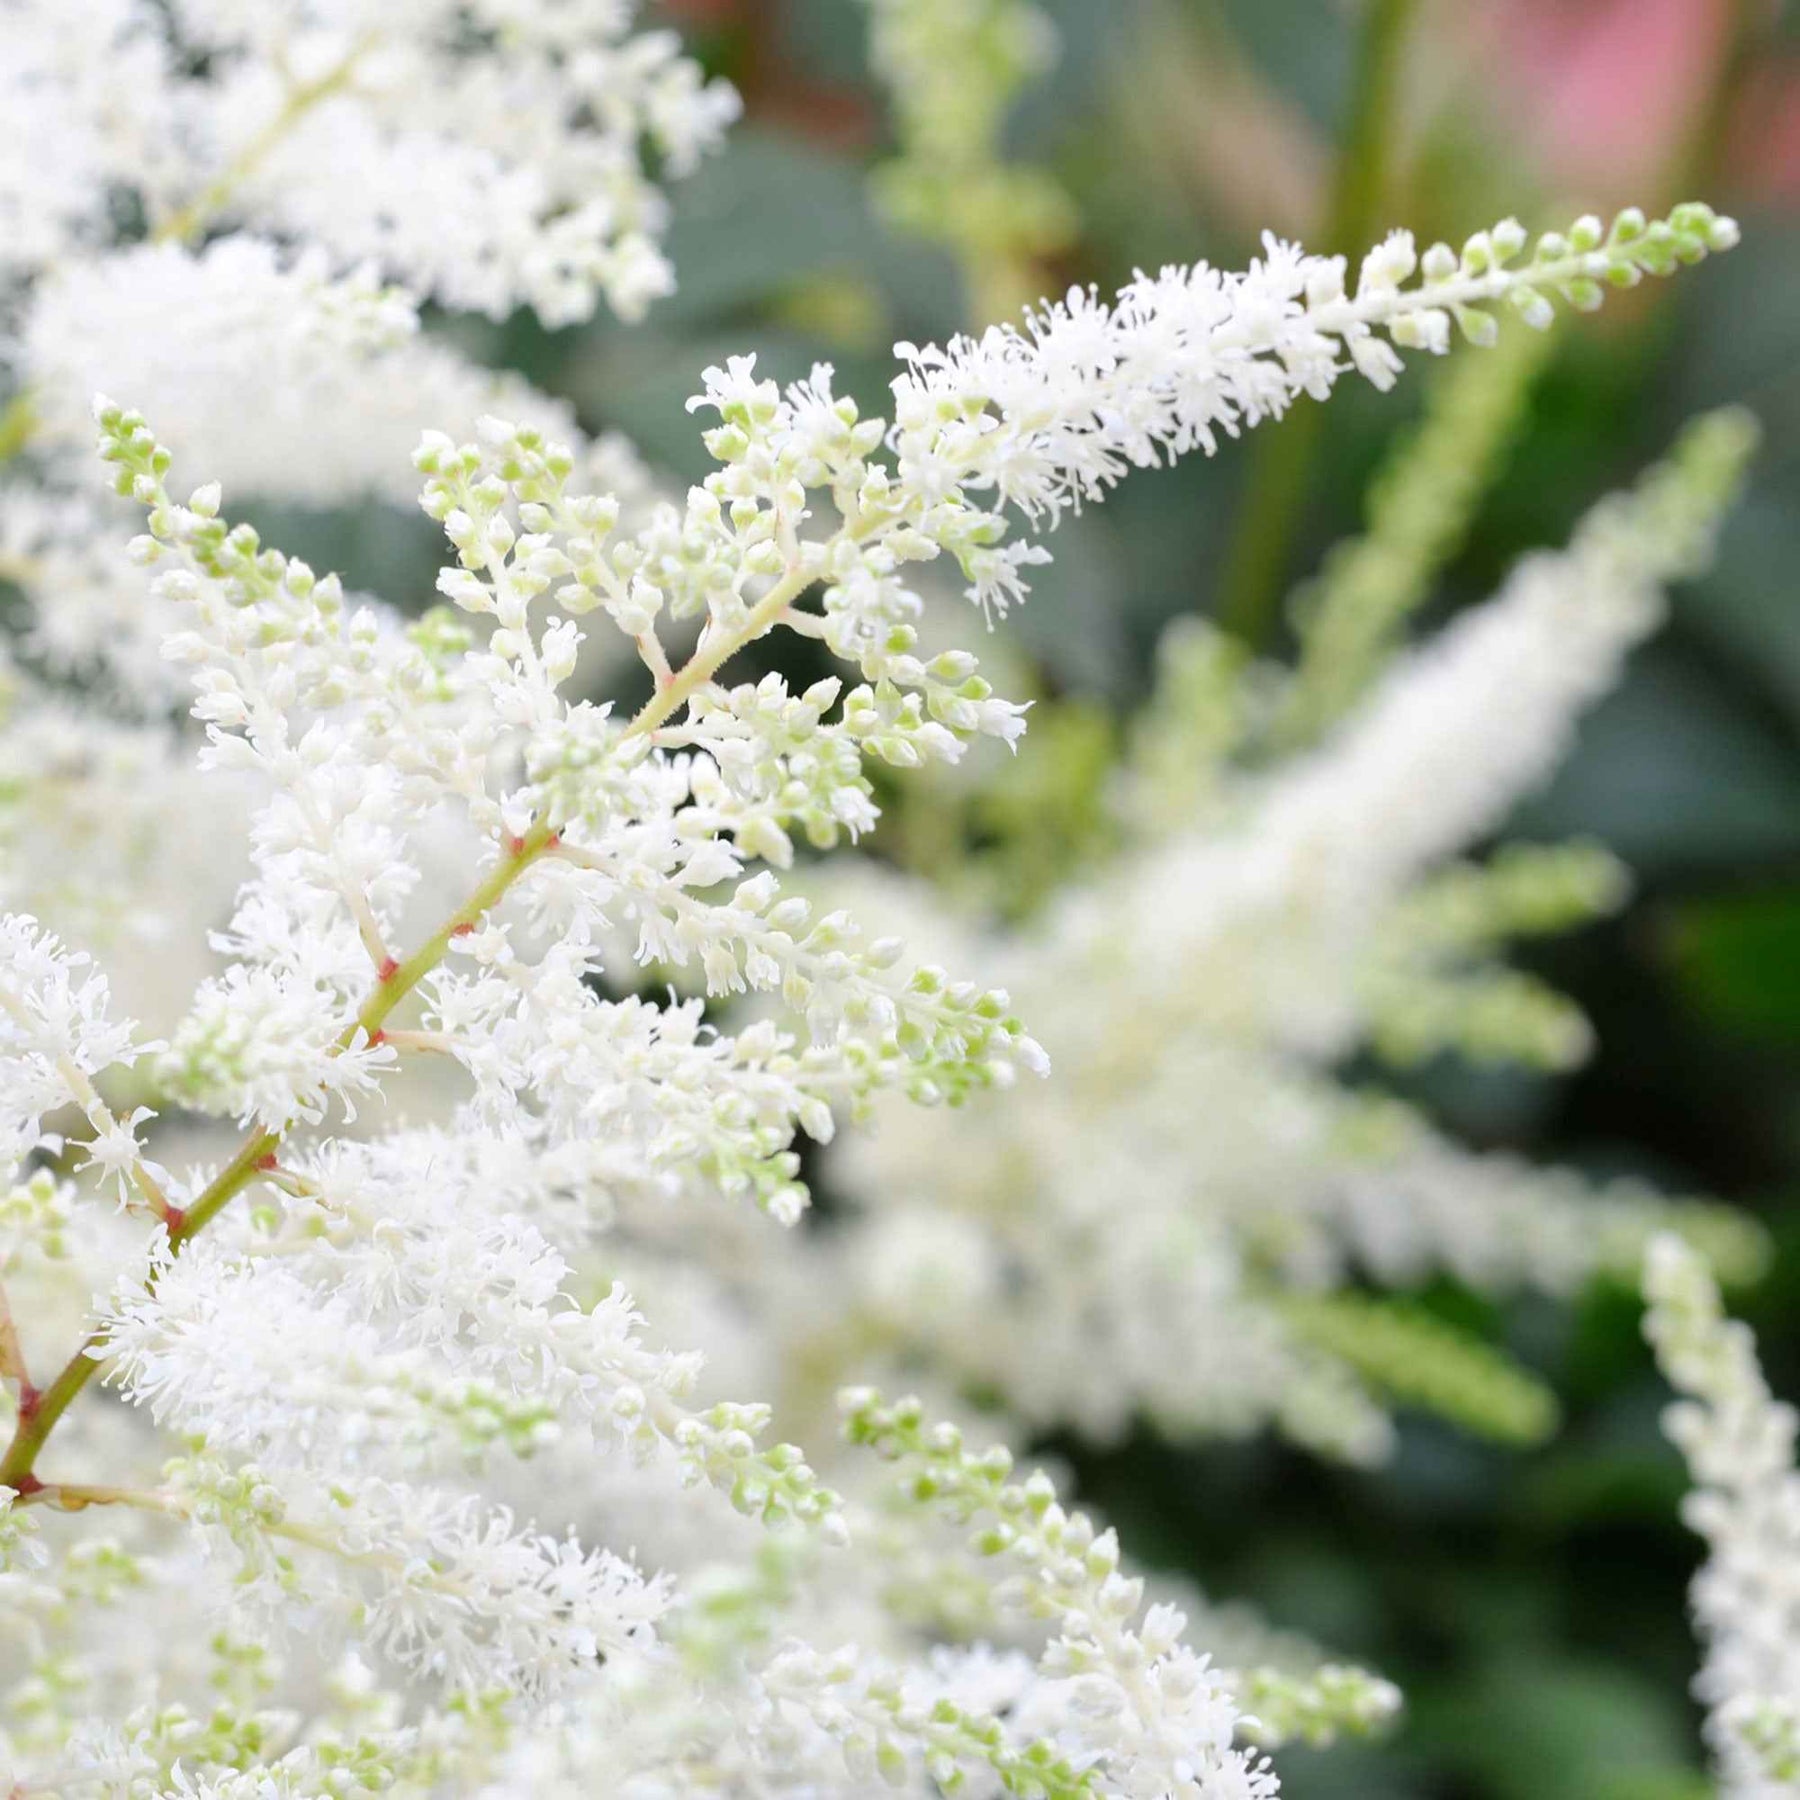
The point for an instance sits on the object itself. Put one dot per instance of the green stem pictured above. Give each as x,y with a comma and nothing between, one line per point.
18,420
70,1496
1281,461
1697,166
706,662
184,226
74,1497
39,1412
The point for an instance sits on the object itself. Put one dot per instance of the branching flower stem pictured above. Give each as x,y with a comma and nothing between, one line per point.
256,1155
74,1497
708,659
19,420
184,226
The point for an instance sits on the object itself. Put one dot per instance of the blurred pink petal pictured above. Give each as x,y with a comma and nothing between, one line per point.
1764,143
1604,90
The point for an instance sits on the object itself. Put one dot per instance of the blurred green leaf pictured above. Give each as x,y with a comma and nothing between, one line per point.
1552,1727
1738,957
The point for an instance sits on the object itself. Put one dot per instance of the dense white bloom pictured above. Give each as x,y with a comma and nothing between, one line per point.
89,109
1739,1444
1052,415
107,828
446,1586
1161,1722
489,157
425,1378
354,161
1132,1238
243,352
57,1033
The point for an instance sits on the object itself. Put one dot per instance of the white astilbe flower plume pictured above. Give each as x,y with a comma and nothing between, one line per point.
310,175
389,133
1054,414
336,361
1739,1444
1164,1229
57,1033
423,1471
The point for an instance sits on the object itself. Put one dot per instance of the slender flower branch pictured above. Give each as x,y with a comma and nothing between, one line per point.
75,1496
12,1356
98,1114
190,222
425,1043
255,1156
710,657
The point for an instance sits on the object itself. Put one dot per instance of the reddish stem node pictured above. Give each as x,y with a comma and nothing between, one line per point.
515,846
266,1162
377,1037
388,970
30,1399
175,1218
465,929
27,1484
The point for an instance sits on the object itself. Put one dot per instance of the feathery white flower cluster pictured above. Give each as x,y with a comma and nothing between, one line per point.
1050,416
422,1483
1739,1444
1166,1228
234,214
490,155
1163,1722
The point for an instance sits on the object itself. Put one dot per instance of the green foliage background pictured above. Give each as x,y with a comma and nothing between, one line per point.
1530,1603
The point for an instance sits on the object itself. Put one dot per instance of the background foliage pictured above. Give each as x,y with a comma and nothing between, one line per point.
1529,1603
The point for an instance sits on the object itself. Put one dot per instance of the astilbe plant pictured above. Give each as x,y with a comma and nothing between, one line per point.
411,1489
1738,1441
1209,915
235,213
953,68
1179,1227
